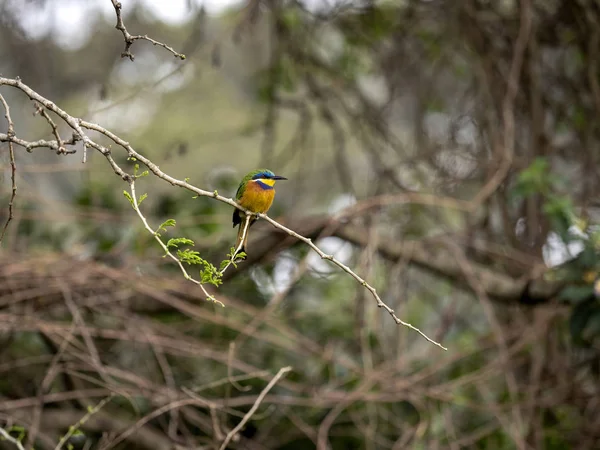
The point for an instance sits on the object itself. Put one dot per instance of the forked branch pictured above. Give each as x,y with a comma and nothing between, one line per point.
130,39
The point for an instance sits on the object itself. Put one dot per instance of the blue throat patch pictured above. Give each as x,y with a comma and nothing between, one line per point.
264,186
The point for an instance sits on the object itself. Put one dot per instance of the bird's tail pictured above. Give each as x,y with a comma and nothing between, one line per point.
243,237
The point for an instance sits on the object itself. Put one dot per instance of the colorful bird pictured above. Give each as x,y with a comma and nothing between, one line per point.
256,194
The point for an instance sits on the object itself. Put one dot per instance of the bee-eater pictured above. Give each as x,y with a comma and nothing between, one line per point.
256,194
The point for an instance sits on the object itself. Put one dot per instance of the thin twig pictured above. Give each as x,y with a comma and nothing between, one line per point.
230,377
39,109
130,39
167,373
514,425
168,253
43,388
350,272
255,406
13,166
247,376
82,421
508,113
11,125
11,439
154,414
234,254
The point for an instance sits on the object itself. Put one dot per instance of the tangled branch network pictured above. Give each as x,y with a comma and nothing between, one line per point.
79,129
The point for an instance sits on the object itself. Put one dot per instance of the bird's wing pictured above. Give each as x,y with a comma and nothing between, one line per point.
236,217
240,190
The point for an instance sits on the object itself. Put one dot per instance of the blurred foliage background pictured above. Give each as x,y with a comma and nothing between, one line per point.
447,151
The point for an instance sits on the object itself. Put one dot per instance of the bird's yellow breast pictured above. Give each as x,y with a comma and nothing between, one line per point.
256,198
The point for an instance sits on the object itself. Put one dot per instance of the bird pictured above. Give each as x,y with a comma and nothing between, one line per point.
255,193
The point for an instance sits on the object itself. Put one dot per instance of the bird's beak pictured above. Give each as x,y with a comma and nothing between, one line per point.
277,177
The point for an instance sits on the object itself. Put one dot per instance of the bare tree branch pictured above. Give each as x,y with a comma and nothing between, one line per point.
135,202
13,166
11,439
73,428
130,39
431,257
78,126
255,406
508,113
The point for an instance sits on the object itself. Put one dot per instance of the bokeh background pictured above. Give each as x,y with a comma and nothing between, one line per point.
446,151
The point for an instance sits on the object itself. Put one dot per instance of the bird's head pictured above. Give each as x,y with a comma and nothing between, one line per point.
265,176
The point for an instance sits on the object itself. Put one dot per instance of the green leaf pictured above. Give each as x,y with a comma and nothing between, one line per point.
176,242
560,211
584,315
291,18
587,259
206,277
535,179
167,223
128,197
142,198
576,293
189,256
209,274
592,329
17,429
